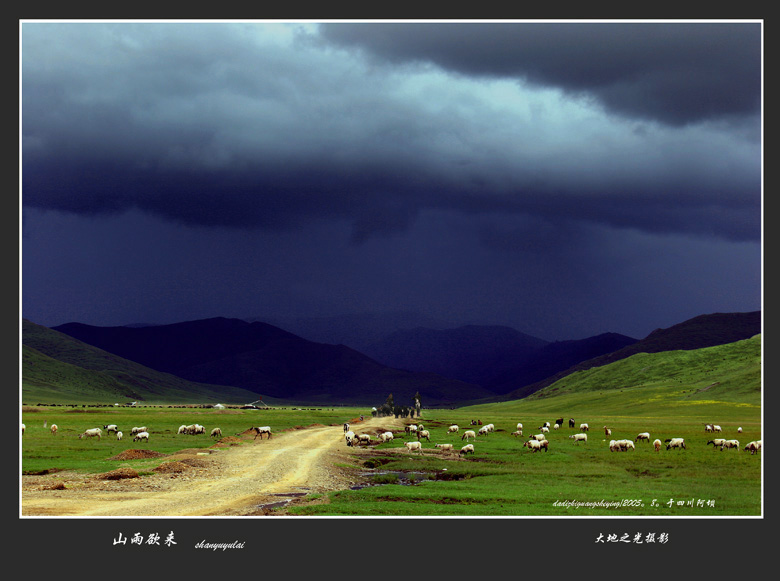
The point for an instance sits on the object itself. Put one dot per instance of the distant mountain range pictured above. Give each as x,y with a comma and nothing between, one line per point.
446,366
270,361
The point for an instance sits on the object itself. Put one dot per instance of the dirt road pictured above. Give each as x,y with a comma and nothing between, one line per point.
238,480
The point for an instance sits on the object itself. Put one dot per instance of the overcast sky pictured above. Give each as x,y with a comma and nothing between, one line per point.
566,179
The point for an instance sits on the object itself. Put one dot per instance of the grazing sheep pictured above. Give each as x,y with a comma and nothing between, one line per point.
483,431
657,444
739,430
54,429
197,429
716,428
182,429
444,447
519,426
468,434
579,437
675,443
260,430
717,443
414,446
424,434
536,445
539,437
350,438
754,446
517,433
346,427
546,424
571,422
707,427
584,427
730,444
614,446
364,439
467,449
135,431
545,430
119,435
607,432
556,426
453,429
111,428
216,432
91,433
626,445
141,436
411,428
643,436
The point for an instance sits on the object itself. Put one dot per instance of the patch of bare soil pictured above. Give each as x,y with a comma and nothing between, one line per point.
227,479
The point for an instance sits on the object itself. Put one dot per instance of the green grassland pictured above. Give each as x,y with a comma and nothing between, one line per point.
669,394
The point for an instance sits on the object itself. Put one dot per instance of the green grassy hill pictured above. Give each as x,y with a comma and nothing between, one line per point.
59,369
697,382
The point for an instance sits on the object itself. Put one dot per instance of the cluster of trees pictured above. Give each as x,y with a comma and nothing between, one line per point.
400,411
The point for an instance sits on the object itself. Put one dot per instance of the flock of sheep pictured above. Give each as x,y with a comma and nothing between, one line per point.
139,433
539,441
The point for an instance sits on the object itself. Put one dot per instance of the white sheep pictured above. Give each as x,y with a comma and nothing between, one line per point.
182,429
607,432
754,446
643,436
54,429
216,432
414,446
411,428
424,434
260,430
467,449
519,426
364,438
626,445
468,434
350,438
135,431
717,443
546,425
23,428
111,428
517,433
614,446
579,437
91,433
739,430
346,427
730,444
707,427
141,436
716,428
657,444
556,426
483,431
444,447
386,436
584,427
119,435
490,427
539,437
453,429
545,430
675,443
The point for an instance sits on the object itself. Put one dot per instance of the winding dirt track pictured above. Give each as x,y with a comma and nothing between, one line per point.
239,480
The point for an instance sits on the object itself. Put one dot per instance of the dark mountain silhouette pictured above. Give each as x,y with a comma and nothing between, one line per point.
269,361
696,333
471,353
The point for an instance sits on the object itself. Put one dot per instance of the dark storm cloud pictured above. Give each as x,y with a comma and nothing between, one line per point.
257,126
673,73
